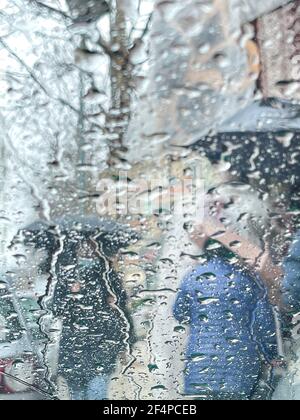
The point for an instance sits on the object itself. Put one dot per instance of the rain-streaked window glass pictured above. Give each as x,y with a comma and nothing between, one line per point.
149,200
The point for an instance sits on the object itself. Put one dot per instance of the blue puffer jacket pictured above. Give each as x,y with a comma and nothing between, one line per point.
232,329
291,284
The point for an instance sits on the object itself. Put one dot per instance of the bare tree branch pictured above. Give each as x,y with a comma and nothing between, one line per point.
144,33
35,78
50,9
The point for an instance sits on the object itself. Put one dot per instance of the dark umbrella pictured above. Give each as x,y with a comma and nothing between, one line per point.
112,236
262,144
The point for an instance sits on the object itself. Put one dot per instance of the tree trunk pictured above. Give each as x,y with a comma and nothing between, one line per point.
121,73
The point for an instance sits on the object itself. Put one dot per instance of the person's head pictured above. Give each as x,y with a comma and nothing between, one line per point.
244,209
87,248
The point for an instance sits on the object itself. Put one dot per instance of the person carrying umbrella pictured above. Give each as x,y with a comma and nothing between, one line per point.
226,301
90,301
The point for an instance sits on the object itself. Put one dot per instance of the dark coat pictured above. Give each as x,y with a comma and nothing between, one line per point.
95,331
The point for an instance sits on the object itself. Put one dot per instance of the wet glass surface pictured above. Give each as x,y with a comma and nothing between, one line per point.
149,200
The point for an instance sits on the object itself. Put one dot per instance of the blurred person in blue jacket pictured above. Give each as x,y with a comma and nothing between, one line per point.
232,330
227,305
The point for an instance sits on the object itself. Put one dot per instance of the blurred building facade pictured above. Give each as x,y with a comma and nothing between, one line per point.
278,35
